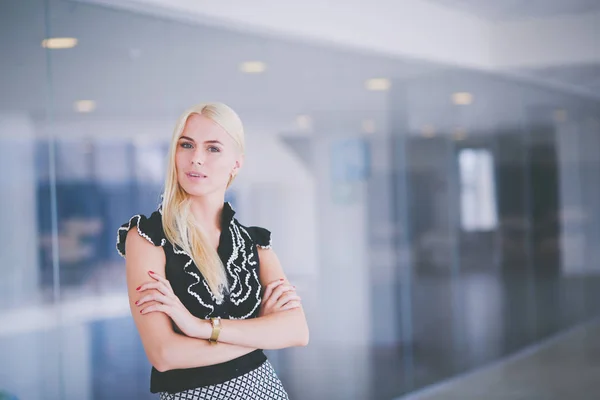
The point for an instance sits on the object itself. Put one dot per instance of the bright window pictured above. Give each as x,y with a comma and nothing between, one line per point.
478,193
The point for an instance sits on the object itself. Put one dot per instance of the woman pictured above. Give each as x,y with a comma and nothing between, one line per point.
207,293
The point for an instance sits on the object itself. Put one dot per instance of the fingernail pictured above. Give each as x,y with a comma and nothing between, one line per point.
137,302
152,272
281,279
141,311
138,288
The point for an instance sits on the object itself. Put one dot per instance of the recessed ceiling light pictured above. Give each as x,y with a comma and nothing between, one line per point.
304,122
462,98
88,147
378,84
428,131
560,115
85,106
253,67
368,126
460,134
135,53
59,43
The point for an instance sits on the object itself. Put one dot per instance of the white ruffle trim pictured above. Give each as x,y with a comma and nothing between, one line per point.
142,234
269,245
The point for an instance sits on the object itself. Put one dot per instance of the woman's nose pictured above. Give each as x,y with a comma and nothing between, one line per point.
198,158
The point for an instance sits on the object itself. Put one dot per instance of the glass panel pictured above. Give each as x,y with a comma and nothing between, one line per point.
430,228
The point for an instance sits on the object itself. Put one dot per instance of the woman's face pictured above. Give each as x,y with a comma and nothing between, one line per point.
205,157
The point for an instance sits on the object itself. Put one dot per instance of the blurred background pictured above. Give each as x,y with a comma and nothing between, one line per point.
429,170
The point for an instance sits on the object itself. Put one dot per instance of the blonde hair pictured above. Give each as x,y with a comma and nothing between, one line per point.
179,224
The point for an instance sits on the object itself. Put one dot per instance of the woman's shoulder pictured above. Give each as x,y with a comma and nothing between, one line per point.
149,227
260,236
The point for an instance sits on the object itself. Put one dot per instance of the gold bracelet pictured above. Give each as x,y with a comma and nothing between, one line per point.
216,329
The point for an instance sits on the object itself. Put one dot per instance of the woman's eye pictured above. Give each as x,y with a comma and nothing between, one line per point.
186,145
213,149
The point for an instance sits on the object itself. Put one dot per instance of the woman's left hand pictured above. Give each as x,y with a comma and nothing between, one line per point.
167,302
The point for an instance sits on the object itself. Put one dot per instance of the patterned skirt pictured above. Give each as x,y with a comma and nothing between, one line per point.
260,384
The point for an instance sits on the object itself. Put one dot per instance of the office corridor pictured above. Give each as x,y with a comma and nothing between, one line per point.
428,170
565,366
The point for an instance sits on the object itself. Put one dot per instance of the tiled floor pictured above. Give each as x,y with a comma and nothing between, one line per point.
566,366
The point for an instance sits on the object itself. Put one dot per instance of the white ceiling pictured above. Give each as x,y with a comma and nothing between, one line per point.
503,10
585,76
133,64
138,66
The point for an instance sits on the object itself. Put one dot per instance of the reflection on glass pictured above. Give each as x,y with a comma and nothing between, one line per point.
460,248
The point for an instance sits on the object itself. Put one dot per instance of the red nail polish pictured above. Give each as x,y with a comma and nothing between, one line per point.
137,302
138,288
141,311
152,272
281,279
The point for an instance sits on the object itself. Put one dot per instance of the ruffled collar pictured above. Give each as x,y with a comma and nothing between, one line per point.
226,215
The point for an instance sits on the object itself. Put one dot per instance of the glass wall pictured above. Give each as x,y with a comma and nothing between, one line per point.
433,222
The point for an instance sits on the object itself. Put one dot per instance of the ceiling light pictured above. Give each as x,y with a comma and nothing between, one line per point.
378,84
85,106
135,53
460,134
88,147
59,43
428,131
304,122
560,115
253,67
462,98
368,126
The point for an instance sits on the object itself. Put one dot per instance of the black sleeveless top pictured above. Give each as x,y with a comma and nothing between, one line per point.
238,252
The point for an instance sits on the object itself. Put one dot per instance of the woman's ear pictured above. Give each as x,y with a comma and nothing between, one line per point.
238,164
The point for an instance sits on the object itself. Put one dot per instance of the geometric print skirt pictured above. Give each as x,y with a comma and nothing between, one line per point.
261,383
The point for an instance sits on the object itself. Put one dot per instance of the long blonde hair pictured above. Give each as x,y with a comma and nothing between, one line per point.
179,224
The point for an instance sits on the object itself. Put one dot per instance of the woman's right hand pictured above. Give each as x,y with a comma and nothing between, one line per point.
279,297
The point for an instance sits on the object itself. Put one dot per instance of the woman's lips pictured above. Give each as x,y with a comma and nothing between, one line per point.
195,176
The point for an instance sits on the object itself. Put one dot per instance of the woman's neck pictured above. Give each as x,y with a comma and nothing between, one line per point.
207,211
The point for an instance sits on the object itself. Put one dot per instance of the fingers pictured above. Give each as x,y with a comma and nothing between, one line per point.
155,285
162,300
276,296
286,298
269,289
156,296
154,308
161,279
291,305
279,291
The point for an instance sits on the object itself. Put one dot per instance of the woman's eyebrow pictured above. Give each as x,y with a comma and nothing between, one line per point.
214,141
